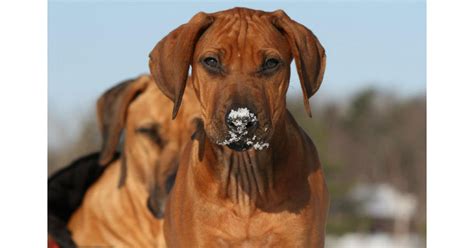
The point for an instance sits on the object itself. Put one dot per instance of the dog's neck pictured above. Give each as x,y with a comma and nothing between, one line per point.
125,205
245,178
146,177
248,179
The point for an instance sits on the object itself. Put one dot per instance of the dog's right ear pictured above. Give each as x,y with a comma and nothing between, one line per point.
112,109
171,57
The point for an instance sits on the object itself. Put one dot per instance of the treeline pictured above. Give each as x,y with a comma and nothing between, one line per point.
373,138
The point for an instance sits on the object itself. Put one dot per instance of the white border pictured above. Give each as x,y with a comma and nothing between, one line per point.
23,103
23,141
450,124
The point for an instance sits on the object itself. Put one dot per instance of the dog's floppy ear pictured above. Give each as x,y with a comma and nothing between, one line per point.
170,59
112,109
309,54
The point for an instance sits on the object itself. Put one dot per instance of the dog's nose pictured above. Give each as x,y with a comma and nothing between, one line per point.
241,120
156,208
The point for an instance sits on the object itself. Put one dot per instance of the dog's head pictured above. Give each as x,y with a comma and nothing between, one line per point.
152,142
240,62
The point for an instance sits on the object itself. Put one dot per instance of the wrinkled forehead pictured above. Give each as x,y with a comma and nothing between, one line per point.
240,33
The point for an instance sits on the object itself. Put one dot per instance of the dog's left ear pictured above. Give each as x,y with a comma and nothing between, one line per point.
112,109
170,59
309,54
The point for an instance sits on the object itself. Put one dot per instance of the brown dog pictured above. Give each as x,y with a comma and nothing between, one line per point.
130,214
253,177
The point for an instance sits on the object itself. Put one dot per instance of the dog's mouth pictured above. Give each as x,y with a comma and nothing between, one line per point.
243,142
239,146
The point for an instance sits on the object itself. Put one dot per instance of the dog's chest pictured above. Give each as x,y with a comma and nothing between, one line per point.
259,230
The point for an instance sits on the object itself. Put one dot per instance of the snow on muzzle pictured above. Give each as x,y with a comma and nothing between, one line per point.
242,125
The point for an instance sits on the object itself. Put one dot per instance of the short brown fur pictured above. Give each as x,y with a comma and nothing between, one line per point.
275,197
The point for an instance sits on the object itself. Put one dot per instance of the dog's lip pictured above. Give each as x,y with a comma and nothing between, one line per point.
245,142
239,146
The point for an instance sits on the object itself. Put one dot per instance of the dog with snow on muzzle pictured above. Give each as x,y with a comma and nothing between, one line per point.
251,177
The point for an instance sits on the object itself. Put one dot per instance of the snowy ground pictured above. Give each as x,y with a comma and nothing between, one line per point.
380,240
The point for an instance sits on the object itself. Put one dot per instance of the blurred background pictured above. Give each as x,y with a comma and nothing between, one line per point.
369,116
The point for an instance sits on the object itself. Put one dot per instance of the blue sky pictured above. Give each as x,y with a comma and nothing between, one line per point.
93,45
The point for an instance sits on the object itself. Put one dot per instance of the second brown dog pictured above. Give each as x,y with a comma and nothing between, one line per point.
124,208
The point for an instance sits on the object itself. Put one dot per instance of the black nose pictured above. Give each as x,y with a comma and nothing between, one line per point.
156,208
247,125
239,120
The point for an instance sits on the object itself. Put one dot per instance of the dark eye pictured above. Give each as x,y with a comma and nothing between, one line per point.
211,63
148,130
152,132
270,64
